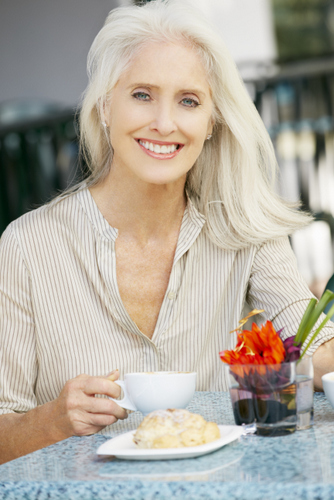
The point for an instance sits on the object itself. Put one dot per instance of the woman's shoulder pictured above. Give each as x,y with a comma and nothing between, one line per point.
43,236
44,221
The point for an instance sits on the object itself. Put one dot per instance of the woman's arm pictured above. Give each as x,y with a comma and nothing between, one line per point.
76,412
323,362
276,286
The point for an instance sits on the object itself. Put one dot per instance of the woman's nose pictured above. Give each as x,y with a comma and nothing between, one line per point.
163,121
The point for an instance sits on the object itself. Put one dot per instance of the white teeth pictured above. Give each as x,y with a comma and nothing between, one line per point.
156,148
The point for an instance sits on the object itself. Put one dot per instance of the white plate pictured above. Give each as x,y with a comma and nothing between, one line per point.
123,446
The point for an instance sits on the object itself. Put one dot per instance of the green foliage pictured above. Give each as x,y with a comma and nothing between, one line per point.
311,316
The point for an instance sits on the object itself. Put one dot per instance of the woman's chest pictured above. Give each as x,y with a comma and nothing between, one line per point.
142,277
83,323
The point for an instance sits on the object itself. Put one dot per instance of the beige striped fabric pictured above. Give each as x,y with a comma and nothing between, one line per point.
61,313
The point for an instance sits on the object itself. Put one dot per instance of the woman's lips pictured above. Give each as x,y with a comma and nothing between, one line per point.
160,150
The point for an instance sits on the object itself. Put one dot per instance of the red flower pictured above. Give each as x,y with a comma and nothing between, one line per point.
258,346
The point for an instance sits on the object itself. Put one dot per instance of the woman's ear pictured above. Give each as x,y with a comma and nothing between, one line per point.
211,125
103,111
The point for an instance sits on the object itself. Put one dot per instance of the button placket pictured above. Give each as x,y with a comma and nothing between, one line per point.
107,265
150,355
169,301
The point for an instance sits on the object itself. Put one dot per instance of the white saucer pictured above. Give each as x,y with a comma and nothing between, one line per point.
123,446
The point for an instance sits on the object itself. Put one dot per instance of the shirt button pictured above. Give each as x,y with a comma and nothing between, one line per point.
171,295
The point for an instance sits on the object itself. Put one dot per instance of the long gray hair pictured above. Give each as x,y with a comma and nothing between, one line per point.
232,181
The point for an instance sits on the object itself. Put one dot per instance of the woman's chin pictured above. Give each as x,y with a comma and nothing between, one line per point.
163,178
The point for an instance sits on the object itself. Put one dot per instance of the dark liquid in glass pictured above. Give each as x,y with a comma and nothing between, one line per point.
274,413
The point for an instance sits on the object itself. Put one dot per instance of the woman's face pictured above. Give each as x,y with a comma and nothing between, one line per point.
159,114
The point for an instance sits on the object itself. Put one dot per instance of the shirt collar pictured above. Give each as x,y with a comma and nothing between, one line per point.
94,215
192,222
191,226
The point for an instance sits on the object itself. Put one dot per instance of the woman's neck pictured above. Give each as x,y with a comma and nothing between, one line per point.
143,210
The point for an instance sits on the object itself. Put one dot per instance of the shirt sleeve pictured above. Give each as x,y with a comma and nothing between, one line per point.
276,286
18,361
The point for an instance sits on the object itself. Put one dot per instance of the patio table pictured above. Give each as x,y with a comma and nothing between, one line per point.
300,465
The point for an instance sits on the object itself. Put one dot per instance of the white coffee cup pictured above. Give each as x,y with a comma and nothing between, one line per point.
328,385
149,391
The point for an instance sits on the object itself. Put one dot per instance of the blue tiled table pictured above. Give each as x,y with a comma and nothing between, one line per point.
298,466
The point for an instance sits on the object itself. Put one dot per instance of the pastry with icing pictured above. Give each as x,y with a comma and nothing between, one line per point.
174,429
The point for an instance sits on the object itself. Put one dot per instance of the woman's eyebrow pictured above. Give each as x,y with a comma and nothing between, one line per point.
193,90
141,84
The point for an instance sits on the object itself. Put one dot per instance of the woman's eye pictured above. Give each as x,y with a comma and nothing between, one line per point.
141,96
190,103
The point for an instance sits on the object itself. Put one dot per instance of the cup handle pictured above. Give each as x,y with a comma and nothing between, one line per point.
126,402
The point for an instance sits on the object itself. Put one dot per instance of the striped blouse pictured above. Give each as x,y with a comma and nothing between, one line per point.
61,313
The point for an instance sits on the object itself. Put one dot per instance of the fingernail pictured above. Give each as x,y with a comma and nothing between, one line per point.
110,375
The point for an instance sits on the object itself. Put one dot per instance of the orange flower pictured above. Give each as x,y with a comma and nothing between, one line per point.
258,346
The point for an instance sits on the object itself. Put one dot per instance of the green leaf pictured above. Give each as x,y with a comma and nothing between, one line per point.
320,327
304,321
311,316
326,298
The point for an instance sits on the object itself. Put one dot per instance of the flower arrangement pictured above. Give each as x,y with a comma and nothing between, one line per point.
264,346
262,368
256,361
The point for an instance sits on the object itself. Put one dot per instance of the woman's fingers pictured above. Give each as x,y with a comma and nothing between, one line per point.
101,420
83,423
80,412
113,375
104,406
94,385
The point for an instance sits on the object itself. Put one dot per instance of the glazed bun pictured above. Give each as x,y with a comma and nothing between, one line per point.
174,429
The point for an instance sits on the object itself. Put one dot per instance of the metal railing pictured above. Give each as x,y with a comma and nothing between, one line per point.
38,158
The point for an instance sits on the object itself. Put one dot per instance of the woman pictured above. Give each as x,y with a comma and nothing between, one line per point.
145,266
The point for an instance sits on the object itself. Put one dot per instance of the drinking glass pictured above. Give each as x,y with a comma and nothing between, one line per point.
266,395
304,372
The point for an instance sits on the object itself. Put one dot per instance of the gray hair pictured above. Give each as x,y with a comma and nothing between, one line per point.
232,181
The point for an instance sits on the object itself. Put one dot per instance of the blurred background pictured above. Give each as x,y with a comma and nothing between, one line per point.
283,48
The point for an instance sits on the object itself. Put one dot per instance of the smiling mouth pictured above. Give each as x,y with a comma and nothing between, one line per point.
162,149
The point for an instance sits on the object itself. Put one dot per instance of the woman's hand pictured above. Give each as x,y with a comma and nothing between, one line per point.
77,412
323,362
